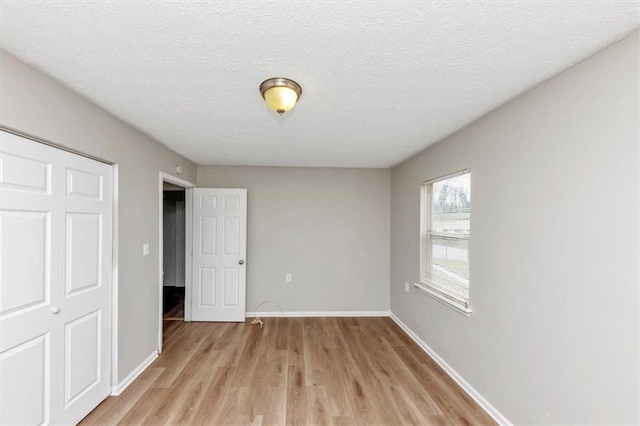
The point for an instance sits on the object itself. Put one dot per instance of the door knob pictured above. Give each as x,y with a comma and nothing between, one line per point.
241,262
55,310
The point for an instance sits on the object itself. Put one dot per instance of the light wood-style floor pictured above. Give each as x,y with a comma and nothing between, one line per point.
338,371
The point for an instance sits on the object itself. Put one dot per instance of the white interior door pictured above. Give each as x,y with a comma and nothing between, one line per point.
219,254
55,270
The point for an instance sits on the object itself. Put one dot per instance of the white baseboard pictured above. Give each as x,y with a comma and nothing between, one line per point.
482,402
293,314
118,389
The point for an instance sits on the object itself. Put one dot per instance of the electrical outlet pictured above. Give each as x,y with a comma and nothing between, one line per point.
145,249
406,287
288,278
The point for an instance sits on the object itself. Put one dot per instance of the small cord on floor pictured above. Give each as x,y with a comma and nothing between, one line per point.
257,319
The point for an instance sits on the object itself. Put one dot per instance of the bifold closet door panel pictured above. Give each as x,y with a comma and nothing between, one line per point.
84,292
29,271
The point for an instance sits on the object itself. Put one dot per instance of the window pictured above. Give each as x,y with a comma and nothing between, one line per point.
445,234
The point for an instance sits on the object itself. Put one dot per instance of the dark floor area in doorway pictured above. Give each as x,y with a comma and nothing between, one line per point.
173,303
172,313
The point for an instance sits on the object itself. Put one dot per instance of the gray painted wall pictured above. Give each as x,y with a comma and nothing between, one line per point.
35,104
173,238
328,227
554,276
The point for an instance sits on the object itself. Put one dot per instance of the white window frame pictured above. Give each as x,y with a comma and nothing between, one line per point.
437,292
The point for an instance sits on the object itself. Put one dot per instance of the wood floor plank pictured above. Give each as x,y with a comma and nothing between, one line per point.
446,393
170,330
152,399
294,371
208,406
113,409
188,388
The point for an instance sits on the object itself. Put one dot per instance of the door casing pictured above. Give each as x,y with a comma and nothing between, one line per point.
188,186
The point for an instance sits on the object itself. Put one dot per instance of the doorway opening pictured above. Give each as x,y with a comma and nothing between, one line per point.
175,276
173,259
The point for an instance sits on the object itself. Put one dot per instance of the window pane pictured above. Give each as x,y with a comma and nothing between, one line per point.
450,205
449,264
445,233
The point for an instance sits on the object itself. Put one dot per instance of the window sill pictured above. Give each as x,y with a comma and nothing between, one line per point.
435,295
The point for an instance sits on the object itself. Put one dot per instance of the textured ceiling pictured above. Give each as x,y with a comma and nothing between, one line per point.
381,80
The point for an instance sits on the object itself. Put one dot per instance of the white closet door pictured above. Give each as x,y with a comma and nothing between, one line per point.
219,253
84,292
29,268
55,270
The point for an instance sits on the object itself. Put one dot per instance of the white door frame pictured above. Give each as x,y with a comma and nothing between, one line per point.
115,225
164,177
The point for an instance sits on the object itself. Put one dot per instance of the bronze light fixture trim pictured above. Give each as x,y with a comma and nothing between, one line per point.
280,94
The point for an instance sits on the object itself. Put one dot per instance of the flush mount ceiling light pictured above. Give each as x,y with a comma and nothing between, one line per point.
280,94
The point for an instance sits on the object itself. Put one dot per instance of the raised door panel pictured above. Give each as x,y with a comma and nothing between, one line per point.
25,260
231,287
207,287
208,201
20,173
231,202
231,235
208,235
25,378
82,356
84,252
81,183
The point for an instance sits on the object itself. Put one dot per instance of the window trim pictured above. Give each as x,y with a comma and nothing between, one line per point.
431,289
447,176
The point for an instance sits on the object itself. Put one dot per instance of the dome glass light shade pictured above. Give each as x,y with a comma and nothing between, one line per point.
280,94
